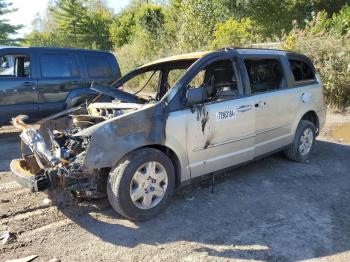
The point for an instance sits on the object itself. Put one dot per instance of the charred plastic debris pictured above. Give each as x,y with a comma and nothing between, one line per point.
53,152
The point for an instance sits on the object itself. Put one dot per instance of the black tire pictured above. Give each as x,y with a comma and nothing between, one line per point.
120,177
293,153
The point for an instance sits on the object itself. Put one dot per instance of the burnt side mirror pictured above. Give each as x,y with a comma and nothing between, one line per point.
195,96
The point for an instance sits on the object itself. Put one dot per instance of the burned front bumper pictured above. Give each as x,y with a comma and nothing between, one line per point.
48,163
35,182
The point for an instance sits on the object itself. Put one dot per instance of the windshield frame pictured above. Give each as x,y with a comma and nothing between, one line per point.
163,67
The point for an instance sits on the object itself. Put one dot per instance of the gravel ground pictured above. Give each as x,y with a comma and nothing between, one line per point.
270,210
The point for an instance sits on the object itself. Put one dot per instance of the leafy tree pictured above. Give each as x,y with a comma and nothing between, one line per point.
198,19
71,17
74,23
97,33
340,22
45,33
150,18
48,39
122,28
330,6
276,17
7,29
234,33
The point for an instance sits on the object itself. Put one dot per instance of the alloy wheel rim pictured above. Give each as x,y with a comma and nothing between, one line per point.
306,141
148,185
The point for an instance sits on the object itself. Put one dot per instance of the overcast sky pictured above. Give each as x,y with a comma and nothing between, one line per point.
27,9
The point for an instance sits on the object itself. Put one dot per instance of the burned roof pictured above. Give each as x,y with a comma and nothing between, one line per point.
188,56
197,55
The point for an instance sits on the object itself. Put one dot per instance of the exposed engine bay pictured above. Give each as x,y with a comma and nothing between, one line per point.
54,153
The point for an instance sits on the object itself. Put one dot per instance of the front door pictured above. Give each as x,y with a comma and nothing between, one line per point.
220,131
18,87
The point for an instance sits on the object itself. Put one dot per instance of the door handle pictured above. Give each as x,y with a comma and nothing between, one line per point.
76,82
244,108
260,104
28,84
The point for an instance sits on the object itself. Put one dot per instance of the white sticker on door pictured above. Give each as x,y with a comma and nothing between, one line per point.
226,115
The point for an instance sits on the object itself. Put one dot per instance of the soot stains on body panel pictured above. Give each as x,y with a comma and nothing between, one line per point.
202,115
113,139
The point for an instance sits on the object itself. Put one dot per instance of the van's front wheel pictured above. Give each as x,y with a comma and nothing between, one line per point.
304,140
140,186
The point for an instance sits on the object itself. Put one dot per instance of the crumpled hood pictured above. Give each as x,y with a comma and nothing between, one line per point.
113,138
115,93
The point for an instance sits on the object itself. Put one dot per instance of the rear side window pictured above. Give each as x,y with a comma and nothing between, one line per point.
98,66
264,74
58,66
301,71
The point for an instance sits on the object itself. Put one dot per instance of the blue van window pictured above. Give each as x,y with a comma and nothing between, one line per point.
58,66
98,66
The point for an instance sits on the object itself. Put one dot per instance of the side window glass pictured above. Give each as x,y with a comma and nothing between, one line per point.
58,66
15,66
173,76
218,80
264,75
98,66
301,71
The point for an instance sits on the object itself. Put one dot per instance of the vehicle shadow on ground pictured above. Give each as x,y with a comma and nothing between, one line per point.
272,209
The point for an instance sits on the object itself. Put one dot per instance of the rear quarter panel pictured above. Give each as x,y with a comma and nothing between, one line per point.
310,93
311,99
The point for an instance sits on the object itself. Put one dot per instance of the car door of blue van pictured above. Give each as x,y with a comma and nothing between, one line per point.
18,84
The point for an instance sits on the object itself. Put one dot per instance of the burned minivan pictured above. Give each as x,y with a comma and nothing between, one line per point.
210,111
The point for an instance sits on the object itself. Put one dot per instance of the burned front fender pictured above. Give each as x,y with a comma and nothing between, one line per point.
113,139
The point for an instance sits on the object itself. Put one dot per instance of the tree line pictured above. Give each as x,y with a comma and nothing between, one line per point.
191,24
148,29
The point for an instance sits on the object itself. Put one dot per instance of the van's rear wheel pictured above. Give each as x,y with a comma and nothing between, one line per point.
140,186
303,142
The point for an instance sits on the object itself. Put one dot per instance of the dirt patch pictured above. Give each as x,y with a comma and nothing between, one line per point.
341,133
337,128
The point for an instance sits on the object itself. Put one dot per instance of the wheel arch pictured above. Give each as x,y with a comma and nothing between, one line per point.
172,156
311,116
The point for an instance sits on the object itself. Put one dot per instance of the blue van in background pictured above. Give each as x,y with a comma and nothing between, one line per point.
39,81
